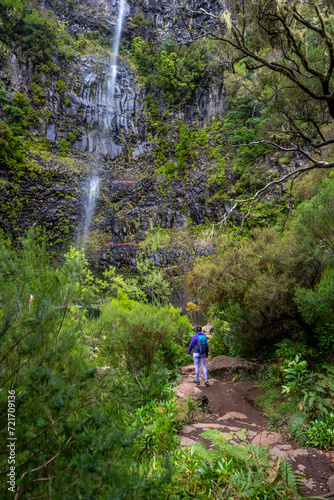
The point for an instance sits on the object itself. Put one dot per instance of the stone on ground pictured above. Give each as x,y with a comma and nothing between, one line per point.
266,438
331,483
223,366
231,415
188,370
208,426
186,441
186,390
187,429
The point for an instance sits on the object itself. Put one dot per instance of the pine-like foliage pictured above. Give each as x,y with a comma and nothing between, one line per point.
71,438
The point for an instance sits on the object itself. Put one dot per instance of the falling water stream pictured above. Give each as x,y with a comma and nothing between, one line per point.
91,195
93,186
115,49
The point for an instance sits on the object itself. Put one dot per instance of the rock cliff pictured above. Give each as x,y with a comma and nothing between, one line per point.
108,134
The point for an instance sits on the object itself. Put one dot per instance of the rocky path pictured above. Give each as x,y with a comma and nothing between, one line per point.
231,411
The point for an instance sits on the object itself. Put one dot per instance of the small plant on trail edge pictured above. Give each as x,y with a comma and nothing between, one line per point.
297,378
320,433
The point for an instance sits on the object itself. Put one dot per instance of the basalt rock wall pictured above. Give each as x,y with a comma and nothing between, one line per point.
108,133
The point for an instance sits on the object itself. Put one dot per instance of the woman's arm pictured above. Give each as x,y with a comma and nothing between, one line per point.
192,344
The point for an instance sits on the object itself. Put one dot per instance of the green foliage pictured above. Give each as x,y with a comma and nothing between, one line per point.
159,422
252,281
18,114
320,432
297,378
308,393
74,430
40,35
176,71
63,147
247,470
38,94
141,338
12,150
61,86
314,221
184,153
37,33
169,168
152,281
288,350
316,306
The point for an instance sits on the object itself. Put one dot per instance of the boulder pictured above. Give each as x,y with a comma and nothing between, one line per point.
331,483
186,441
207,328
223,367
189,390
266,438
188,370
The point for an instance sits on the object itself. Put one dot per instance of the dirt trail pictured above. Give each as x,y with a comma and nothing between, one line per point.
231,411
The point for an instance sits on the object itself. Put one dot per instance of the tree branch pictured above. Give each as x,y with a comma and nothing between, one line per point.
252,199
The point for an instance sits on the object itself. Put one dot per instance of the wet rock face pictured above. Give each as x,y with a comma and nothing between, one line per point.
112,130
88,15
106,124
166,18
145,203
104,117
103,122
126,254
52,204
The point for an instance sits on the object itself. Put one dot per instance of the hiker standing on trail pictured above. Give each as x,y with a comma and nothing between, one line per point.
201,351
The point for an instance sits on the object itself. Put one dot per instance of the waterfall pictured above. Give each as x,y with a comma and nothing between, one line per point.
115,50
93,186
90,196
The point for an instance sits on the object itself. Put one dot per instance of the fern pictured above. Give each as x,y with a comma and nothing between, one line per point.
209,456
259,456
296,426
243,482
216,437
249,471
291,479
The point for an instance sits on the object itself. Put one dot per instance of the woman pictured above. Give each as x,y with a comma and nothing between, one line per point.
201,351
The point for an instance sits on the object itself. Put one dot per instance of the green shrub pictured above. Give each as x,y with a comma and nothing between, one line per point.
61,86
142,336
253,282
320,432
12,150
63,147
159,422
38,94
47,368
169,168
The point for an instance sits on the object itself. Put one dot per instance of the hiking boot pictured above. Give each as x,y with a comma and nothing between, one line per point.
196,381
206,383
